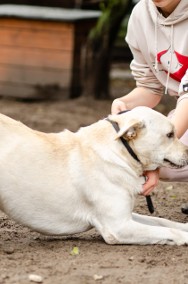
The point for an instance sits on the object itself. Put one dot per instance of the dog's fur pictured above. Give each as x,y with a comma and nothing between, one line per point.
67,183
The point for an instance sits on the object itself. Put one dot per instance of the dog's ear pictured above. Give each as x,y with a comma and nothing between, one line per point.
131,131
128,129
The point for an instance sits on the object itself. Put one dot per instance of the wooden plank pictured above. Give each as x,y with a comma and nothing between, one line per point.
34,38
36,25
35,76
35,57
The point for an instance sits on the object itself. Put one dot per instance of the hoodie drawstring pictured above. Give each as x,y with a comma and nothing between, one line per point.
156,47
171,52
170,59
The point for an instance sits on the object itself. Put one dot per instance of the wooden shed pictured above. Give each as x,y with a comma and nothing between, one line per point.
40,50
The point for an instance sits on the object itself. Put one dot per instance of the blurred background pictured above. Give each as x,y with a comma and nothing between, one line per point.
66,49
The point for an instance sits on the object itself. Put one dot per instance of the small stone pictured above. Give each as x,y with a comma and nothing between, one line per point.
35,278
8,250
97,277
170,187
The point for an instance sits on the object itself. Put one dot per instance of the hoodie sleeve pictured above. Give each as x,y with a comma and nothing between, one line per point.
140,68
143,74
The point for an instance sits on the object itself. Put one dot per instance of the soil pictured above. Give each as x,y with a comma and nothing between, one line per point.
85,258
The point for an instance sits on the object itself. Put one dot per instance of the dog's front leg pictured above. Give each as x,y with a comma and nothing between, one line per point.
156,221
117,224
131,232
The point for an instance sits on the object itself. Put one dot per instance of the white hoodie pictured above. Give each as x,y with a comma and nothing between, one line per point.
159,46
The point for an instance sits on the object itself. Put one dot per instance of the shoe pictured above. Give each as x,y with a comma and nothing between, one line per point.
184,208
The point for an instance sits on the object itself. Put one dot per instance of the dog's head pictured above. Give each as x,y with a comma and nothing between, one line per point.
152,137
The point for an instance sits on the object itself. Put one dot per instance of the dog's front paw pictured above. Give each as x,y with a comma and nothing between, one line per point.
185,227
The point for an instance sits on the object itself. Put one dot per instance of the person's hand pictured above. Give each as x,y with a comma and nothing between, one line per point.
118,106
152,179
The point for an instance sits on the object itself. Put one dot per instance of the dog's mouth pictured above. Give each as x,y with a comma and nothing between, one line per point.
170,164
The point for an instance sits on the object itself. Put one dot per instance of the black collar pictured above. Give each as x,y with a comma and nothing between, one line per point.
132,153
125,143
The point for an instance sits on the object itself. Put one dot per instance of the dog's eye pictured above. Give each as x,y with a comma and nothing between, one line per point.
170,134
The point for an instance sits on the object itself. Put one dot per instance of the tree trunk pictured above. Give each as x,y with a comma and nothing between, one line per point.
99,49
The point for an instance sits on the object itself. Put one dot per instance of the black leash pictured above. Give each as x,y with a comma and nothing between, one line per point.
150,204
132,153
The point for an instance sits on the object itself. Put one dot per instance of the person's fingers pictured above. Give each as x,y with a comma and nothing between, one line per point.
148,192
117,106
151,182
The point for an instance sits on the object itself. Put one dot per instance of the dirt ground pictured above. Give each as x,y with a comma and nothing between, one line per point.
23,252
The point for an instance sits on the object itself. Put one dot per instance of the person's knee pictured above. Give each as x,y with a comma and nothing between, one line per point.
176,175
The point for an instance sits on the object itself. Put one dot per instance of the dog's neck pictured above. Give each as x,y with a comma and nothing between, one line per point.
132,153
125,142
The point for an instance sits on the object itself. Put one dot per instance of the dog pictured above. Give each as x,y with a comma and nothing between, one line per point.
66,183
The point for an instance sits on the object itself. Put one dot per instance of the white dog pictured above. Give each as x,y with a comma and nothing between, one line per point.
67,183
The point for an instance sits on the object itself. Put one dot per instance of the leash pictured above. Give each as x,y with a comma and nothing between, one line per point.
150,204
132,153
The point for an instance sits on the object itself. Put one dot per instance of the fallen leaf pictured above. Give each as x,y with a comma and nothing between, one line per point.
173,196
75,251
